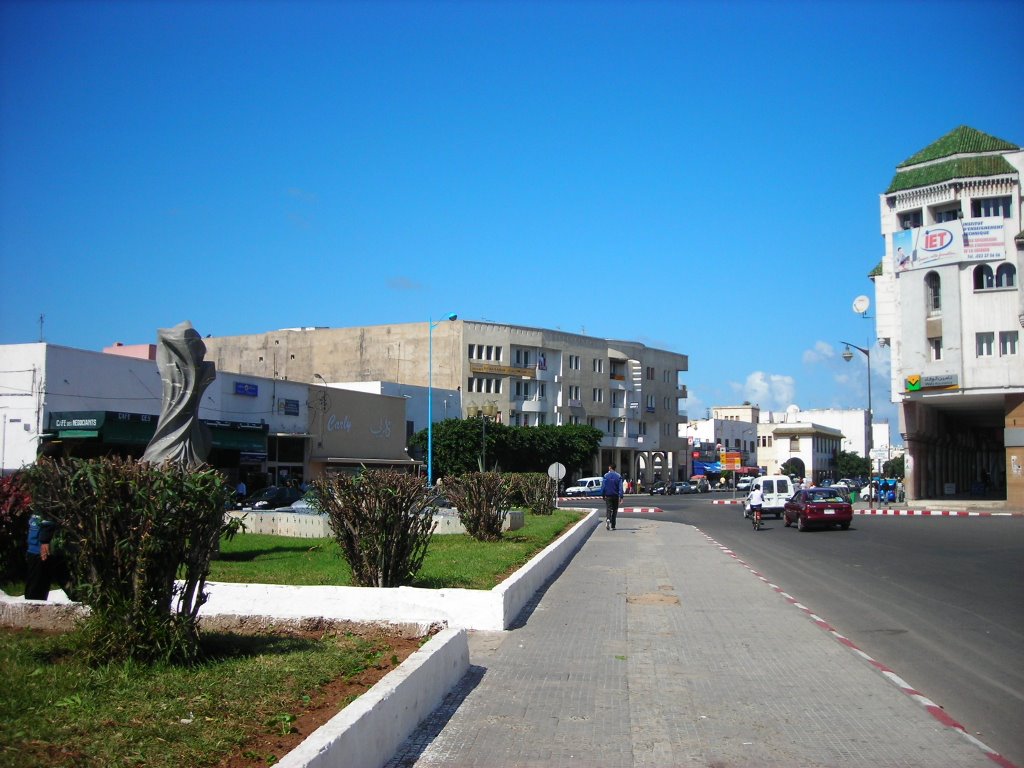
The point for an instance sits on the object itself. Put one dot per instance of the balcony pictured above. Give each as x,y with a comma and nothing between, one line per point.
534,405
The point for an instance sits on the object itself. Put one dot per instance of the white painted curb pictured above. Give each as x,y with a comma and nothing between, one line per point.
368,732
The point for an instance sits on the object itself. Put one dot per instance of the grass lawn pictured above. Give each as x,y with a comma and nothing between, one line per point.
453,560
251,702
253,699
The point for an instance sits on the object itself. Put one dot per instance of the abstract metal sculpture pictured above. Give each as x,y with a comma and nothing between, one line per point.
180,436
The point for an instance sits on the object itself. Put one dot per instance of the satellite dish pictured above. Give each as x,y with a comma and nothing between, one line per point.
861,304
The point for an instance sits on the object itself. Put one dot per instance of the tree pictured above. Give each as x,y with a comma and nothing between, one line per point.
852,465
458,446
895,467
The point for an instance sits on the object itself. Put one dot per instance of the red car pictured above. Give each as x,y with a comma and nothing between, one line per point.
818,507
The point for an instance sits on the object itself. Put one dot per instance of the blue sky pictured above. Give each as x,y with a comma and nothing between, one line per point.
699,176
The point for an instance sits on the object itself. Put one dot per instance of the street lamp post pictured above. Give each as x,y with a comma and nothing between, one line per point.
848,356
430,395
488,411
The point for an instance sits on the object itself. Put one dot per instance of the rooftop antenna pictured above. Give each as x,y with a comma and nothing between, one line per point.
41,318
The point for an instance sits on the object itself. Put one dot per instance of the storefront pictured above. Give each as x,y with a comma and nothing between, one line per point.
236,447
359,430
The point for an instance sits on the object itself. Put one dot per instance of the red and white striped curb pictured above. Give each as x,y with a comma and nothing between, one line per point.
727,501
933,513
642,510
930,706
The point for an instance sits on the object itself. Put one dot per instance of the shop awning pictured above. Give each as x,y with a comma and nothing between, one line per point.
378,462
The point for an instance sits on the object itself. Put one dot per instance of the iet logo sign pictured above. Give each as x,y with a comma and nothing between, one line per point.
936,239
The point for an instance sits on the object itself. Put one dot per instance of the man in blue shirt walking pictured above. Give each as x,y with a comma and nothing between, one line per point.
611,489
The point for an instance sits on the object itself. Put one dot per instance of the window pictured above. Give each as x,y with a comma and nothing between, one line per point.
947,213
574,393
598,395
983,343
1007,343
991,206
643,427
472,349
598,365
523,358
574,362
542,390
933,297
650,403
794,445
1006,276
911,219
574,419
935,345
650,373
983,277
618,399
542,418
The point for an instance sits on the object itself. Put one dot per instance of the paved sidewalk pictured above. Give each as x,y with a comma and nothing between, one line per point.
655,648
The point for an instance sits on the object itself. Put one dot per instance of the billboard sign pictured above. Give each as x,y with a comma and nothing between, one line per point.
949,242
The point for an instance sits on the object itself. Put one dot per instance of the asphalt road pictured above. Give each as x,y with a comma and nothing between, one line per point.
940,600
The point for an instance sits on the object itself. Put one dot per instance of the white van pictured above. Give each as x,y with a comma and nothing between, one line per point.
777,490
586,486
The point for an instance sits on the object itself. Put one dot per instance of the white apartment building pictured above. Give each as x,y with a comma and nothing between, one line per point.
950,310
523,376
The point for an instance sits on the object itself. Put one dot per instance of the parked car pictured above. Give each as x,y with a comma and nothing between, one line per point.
661,488
682,487
273,497
700,484
743,484
818,507
306,503
586,486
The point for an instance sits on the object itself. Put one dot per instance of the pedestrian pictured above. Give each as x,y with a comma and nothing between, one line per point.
38,557
611,489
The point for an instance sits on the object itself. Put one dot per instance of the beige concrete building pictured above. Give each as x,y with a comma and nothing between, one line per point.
522,376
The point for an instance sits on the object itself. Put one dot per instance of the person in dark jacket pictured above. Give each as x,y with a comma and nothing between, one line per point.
38,557
611,489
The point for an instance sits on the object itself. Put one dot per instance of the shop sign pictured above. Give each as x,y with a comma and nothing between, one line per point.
246,389
288,407
917,382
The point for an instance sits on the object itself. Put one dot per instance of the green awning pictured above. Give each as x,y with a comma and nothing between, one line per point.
129,432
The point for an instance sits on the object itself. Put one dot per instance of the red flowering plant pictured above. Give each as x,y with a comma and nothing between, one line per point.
15,508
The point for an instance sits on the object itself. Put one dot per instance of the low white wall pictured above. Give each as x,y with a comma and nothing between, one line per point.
312,526
368,732
517,590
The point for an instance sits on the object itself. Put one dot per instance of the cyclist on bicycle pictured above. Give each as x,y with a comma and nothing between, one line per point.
756,500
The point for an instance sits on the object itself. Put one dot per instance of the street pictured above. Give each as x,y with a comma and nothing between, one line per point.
939,600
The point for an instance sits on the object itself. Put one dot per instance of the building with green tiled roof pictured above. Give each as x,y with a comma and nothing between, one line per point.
950,313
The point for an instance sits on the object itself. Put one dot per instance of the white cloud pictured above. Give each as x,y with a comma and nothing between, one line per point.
403,284
771,391
821,352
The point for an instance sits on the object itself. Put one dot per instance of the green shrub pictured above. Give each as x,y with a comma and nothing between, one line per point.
483,500
535,491
129,529
382,519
